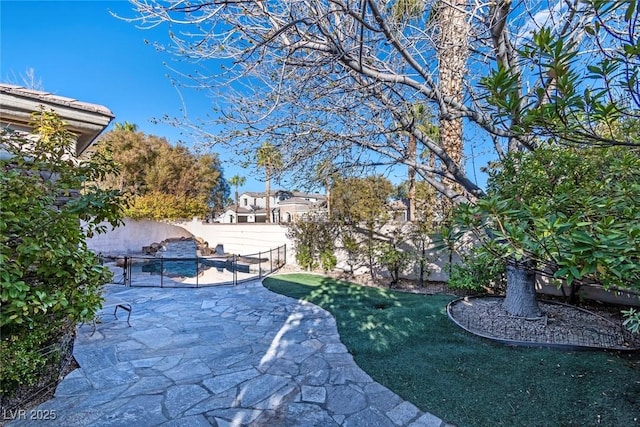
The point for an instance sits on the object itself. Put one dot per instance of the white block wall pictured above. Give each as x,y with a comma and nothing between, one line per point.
133,235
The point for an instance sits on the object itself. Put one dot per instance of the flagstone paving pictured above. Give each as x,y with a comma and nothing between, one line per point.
225,356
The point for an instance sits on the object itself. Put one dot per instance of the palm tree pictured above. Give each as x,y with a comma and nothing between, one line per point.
237,181
126,126
325,172
453,50
452,32
269,158
422,120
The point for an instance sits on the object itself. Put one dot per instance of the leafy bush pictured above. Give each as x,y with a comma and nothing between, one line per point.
479,271
351,247
48,277
314,239
393,259
158,206
305,258
632,321
328,260
26,356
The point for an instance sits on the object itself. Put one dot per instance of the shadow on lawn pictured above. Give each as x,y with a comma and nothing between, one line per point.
374,319
407,343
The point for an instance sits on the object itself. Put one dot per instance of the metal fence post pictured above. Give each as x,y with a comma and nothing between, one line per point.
161,272
234,269
259,265
271,261
197,271
126,271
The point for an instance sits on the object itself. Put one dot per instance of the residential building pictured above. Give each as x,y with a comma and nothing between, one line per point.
285,207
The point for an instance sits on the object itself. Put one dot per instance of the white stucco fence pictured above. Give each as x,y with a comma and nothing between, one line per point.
133,235
240,239
251,238
243,238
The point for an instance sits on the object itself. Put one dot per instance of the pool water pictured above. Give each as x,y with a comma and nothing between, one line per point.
178,259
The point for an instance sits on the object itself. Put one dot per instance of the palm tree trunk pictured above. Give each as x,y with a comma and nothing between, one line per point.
268,202
236,207
412,179
453,51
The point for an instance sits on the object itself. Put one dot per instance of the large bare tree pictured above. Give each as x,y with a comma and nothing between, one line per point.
334,79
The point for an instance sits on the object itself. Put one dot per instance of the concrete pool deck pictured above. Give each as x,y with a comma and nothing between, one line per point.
223,356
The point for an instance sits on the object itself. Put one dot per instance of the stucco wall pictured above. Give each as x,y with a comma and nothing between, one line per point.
241,238
132,236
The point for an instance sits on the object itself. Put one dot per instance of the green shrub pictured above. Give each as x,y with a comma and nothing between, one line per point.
479,271
328,260
314,238
305,258
393,259
632,320
48,276
26,355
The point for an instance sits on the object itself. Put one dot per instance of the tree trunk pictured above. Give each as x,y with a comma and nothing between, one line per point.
521,299
453,51
411,193
236,208
268,202
422,266
327,187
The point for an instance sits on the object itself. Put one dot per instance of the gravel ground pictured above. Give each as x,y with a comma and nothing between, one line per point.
560,324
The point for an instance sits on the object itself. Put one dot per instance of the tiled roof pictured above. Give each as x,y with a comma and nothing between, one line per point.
54,99
85,120
241,210
275,193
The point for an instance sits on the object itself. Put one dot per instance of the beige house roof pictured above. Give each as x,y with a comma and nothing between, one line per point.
85,120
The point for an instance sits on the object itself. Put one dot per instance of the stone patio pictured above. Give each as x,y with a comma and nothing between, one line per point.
225,356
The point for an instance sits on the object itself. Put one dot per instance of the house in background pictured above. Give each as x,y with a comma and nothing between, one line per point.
83,119
285,207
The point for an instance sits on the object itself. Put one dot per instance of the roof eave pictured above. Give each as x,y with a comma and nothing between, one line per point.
85,120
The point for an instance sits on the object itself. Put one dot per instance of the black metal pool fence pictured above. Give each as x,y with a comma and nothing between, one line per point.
194,272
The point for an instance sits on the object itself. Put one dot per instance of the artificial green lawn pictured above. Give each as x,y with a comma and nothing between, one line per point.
406,342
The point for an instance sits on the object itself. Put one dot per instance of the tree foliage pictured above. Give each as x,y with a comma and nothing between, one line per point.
314,237
355,200
573,211
162,180
162,206
586,81
361,206
48,277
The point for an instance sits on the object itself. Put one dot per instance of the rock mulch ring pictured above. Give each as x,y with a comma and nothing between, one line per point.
560,326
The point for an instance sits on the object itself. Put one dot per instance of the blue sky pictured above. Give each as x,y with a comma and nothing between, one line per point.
79,50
